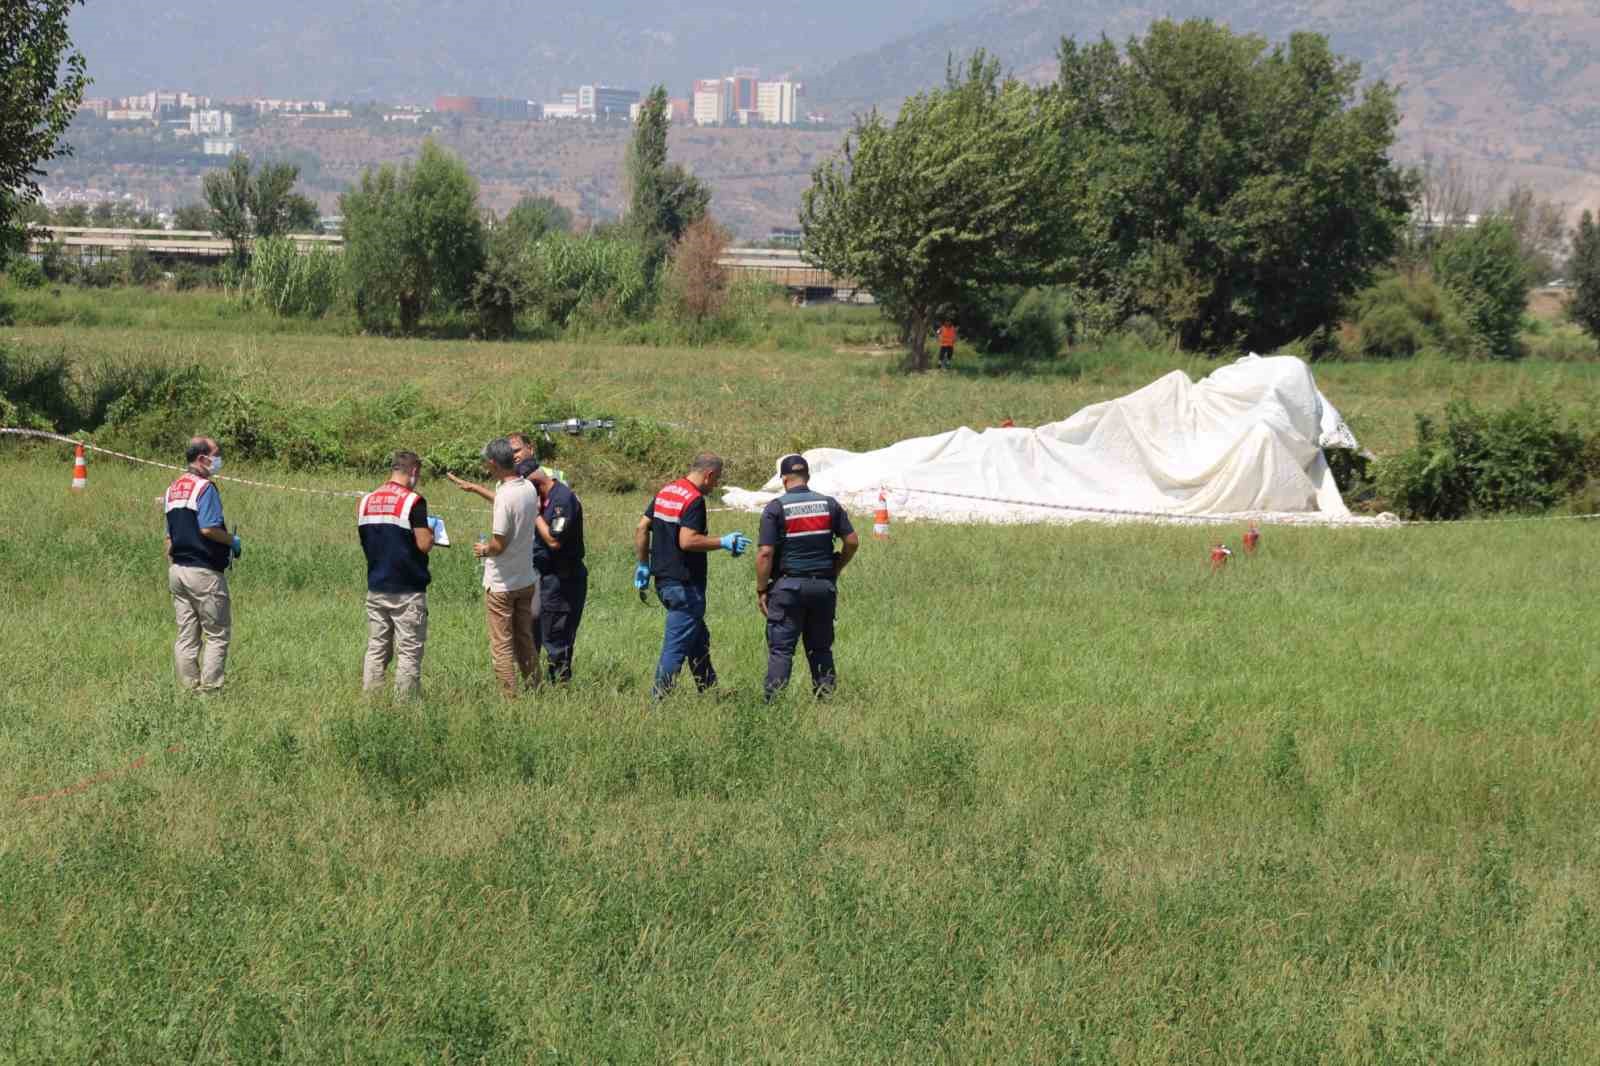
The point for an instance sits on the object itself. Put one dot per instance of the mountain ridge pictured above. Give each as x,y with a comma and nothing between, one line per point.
413,50
1510,87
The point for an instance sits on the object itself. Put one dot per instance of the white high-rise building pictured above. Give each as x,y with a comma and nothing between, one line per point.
779,102
712,101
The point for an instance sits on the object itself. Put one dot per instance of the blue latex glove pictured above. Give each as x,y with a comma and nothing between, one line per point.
735,544
641,576
237,547
435,524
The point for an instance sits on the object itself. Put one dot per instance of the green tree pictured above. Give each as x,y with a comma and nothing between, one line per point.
413,236
960,194
228,195
1584,268
504,286
72,215
1541,230
1239,193
665,200
1483,267
256,202
41,84
531,219
192,216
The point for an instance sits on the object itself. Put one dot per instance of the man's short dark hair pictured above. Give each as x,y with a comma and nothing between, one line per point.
198,446
498,452
405,462
527,441
707,462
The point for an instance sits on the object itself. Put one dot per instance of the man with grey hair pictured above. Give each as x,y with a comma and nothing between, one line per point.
199,549
670,544
396,533
527,461
511,594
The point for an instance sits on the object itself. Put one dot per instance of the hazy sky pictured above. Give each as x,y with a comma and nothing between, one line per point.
418,48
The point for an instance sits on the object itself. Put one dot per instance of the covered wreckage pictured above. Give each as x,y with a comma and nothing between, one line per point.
1246,441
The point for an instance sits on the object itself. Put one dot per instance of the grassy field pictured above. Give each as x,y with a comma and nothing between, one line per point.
1077,799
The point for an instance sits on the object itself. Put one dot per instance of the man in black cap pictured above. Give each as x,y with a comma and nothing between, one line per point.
797,574
563,578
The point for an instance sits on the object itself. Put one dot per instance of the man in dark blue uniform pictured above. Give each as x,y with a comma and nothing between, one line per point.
563,578
670,544
797,574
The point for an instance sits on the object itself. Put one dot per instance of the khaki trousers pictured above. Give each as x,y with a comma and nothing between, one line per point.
200,601
513,636
397,628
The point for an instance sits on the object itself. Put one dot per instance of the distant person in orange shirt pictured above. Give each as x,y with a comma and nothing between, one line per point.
947,344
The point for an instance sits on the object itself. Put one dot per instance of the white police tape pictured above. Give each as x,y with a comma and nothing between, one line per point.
1266,518
1175,519
344,494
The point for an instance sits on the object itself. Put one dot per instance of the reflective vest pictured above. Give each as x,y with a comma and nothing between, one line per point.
667,560
806,548
189,548
394,562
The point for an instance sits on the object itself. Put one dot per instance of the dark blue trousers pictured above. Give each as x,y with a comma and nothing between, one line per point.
561,601
686,638
801,608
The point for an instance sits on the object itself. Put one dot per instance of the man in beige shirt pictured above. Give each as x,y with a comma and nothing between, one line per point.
511,590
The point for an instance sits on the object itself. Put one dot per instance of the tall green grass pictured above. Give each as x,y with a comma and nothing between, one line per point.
1077,800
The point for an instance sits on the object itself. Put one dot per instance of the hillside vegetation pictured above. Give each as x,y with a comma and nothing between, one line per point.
1510,87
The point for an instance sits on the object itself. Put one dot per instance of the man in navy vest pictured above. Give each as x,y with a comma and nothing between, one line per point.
563,577
797,573
670,543
396,535
199,547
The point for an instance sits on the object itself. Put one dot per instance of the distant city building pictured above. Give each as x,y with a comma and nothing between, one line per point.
785,237
779,102
210,122
680,109
221,146
561,110
98,108
742,90
602,102
292,107
499,107
711,101
128,114
403,116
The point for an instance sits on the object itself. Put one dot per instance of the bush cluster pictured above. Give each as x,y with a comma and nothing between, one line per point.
1525,458
148,408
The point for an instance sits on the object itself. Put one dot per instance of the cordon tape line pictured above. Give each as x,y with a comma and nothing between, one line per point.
343,494
1164,516
1243,516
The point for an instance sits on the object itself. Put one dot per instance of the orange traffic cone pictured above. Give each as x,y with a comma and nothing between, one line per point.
880,518
80,472
1252,539
1219,557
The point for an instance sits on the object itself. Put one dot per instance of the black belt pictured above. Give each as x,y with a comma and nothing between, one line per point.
805,577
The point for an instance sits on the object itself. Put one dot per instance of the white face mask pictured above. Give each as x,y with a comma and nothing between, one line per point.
215,462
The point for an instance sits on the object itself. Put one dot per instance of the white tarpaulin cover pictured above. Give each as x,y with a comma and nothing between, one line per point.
1245,441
